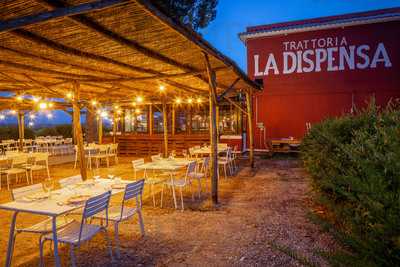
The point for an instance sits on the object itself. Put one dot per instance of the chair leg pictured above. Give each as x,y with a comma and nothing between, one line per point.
72,253
117,243
8,182
141,224
225,171
108,240
162,195
181,198
152,195
41,243
199,188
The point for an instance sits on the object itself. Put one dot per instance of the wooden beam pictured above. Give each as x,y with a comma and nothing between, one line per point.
78,130
249,104
227,90
21,129
150,119
21,22
173,120
236,105
165,125
213,130
100,130
114,127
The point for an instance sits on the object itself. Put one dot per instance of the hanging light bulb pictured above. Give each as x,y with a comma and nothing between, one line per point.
134,104
49,116
178,100
190,100
35,99
2,117
69,95
13,112
199,100
94,102
19,98
139,99
42,105
50,104
162,88
104,114
32,116
31,124
137,111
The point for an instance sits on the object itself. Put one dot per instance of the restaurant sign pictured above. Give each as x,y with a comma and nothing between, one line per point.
328,54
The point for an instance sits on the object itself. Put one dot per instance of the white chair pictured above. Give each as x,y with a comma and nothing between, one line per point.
200,173
180,182
70,180
76,233
18,166
113,152
88,155
43,227
41,162
156,157
225,162
102,153
152,181
121,213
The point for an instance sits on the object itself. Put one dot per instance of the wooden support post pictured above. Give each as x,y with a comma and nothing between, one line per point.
213,130
249,104
21,129
100,130
115,125
165,119
151,119
173,120
78,130
218,121
91,131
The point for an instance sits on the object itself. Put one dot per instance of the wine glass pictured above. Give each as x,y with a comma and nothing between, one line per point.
48,185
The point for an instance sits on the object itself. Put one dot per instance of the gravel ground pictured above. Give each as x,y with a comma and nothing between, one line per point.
261,221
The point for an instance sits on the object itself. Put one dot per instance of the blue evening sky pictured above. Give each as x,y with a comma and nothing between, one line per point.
233,16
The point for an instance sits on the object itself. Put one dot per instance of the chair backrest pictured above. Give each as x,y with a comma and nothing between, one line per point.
137,162
191,168
93,206
206,164
18,193
133,191
156,157
19,159
70,180
41,157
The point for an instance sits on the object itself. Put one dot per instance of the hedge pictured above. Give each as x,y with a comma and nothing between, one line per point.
354,162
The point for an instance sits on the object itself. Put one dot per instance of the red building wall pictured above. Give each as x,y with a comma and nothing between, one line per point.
307,94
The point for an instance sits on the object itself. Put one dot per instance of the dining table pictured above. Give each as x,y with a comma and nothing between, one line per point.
207,150
169,165
56,205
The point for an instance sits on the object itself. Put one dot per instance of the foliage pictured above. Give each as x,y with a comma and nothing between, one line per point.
193,13
62,129
355,165
11,132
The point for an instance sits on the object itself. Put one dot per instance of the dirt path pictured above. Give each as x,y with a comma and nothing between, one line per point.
261,221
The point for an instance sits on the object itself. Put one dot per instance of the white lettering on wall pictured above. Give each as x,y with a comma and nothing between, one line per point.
323,54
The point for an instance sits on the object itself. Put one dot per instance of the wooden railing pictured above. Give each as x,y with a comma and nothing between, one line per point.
146,145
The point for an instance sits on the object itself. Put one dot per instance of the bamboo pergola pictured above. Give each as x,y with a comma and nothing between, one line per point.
113,51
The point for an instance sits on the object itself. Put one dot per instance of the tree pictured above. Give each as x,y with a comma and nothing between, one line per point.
193,13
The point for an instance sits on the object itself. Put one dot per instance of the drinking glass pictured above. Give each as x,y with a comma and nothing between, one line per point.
48,185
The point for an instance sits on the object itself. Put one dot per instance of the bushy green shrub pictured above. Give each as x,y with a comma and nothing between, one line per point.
11,132
354,161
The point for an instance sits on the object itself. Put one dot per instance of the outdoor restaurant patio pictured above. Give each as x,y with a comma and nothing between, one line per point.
182,191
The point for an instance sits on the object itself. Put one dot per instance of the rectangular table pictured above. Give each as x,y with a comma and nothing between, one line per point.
207,150
54,207
168,165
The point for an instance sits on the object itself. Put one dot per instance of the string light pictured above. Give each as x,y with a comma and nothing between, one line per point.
50,105
32,116
49,116
35,99
190,100
31,123
2,117
139,99
19,98
43,105
134,104
104,114
94,102
13,112
137,111
119,111
162,88
69,95
178,101
199,100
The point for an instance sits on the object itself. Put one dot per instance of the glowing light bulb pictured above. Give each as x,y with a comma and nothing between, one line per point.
198,100
94,102
134,104
119,111
190,101
31,123
19,98
162,88
178,101
137,111
49,116
139,99
13,112
104,114
2,117
51,105
32,116
35,99
43,105
69,95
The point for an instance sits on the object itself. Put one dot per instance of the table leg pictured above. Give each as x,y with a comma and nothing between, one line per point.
173,191
10,248
55,240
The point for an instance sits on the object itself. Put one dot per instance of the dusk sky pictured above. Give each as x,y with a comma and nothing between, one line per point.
234,16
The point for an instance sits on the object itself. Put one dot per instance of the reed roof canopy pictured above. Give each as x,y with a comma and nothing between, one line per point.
116,50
